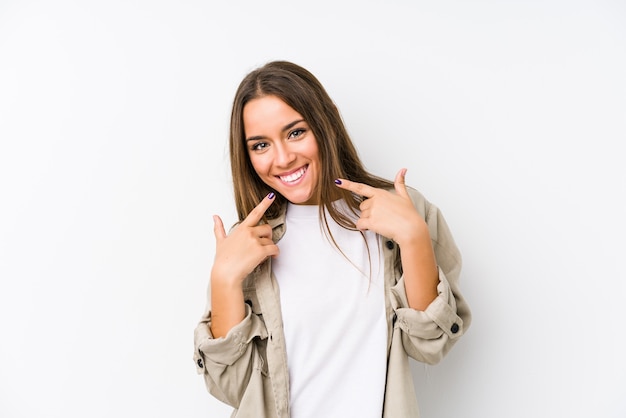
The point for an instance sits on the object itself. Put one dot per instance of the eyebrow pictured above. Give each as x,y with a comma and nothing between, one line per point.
285,128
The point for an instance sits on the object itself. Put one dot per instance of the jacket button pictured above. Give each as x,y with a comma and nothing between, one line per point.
199,362
389,244
454,328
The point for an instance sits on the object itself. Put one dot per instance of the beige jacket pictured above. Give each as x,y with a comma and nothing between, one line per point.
247,369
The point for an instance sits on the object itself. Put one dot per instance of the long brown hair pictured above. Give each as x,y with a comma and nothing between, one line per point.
299,89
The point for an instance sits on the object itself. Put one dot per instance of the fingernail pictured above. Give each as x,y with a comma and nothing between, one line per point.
337,181
271,195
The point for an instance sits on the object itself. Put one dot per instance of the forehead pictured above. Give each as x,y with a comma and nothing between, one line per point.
268,113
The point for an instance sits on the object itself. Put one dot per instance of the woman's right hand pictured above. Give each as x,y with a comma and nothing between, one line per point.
247,246
236,255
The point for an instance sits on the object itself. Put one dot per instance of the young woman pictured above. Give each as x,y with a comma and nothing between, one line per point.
332,278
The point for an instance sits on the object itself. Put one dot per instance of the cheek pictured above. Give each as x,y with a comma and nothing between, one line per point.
315,156
259,164
314,152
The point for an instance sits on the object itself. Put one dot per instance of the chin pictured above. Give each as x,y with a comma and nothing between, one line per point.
299,199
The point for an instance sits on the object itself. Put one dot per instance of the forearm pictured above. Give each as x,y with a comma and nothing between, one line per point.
420,273
227,305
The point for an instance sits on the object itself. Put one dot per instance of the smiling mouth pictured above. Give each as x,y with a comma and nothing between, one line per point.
295,176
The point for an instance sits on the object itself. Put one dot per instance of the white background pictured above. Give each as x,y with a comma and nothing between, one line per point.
509,115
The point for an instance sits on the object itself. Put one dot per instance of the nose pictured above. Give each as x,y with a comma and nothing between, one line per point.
284,156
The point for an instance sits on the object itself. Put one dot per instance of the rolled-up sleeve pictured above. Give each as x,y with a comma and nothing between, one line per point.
227,362
428,335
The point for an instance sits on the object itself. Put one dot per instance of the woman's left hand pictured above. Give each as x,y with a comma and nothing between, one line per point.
389,214
394,216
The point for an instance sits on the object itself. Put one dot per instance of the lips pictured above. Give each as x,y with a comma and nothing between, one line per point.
293,176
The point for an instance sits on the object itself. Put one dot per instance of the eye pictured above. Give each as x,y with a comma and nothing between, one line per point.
296,133
259,146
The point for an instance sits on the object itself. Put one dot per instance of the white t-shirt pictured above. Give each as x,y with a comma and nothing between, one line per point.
333,312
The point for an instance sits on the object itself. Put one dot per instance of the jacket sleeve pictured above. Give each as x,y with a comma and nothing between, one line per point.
227,363
428,335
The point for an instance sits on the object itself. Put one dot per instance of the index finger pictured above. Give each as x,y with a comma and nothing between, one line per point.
357,188
257,213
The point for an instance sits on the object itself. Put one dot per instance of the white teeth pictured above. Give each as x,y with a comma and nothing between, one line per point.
293,176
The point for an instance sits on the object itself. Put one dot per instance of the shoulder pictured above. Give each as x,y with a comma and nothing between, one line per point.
418,199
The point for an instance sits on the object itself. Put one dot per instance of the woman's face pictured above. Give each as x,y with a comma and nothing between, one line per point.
282,149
